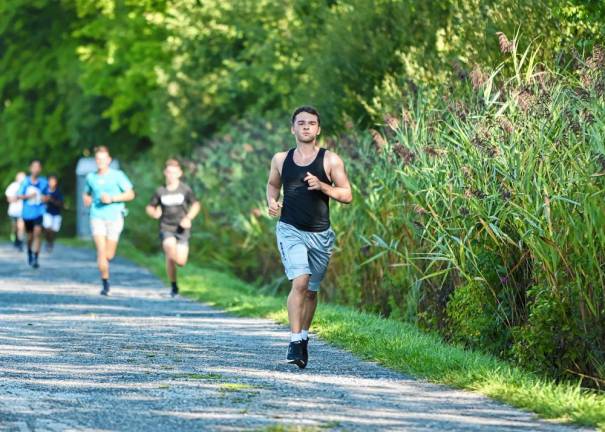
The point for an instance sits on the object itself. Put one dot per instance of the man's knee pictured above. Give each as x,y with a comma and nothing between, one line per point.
301,284
311,295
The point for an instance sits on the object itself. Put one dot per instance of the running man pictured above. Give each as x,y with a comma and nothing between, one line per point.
106,191
15,209
175,206
51,221
33,192
310,177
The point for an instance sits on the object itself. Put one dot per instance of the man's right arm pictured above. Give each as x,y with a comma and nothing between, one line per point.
21,194
153,212
11,197
274,185
87,195
153,209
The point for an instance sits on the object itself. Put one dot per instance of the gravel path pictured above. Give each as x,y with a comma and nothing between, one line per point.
140,361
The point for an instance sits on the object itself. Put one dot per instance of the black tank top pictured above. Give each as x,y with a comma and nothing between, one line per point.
306,210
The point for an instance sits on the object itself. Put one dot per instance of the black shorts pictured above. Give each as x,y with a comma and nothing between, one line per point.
31,223
181,235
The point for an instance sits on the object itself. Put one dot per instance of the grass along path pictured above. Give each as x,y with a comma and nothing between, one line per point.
394,344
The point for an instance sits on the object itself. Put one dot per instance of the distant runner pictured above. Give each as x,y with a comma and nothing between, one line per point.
106,192
175,206
33,192
51,221
310,176
15,209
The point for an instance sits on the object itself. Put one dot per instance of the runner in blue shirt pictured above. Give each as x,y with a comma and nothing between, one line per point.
52,219
33,192
106,192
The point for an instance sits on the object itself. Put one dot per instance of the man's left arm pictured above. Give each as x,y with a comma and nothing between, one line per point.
126,195
194,209
340,189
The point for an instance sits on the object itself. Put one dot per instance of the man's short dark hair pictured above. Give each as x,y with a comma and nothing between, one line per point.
101,149
308,109
34,161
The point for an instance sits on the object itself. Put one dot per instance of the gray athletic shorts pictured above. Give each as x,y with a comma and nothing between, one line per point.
304,252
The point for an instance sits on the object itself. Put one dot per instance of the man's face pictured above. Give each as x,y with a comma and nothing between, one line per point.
306,127
35,168
103,160
52,182
172,173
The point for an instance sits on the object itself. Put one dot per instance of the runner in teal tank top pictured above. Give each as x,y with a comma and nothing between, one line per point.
106,192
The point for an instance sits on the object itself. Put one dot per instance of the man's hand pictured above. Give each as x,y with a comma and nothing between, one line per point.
106,199
153,212
87,200
313,182
274,208
185,223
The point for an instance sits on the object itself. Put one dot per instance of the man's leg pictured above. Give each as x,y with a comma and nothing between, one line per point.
296,301
102,261
320,246
14,231
34,244
182,254
111,246
36,238
30,237
308,311
17,231
169,244
114,230
20,232
50,239
29,233
176,249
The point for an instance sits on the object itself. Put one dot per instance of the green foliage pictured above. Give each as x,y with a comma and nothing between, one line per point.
75,73
60,92
473,318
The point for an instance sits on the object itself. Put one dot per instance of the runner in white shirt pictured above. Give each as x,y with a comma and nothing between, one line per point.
15,207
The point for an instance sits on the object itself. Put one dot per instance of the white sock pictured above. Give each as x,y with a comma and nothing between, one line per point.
295,337
305,334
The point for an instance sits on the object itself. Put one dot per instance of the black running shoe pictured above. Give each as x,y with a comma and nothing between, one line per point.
35,264
174,292
305,343
30,257
295,354
105,291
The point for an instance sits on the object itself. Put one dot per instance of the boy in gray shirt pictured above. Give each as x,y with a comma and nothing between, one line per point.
175,205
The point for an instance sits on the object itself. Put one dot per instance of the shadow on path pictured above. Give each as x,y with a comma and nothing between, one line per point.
140,361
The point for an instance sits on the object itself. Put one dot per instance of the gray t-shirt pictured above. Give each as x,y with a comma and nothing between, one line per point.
175,205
